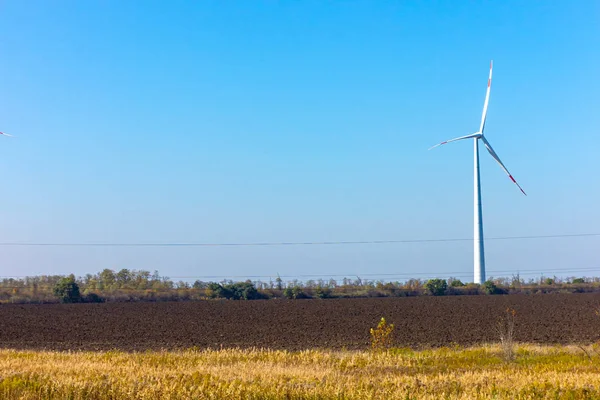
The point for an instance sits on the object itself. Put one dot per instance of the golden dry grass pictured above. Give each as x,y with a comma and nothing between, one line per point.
471,373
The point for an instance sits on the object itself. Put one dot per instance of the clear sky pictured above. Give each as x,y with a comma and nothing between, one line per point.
271,121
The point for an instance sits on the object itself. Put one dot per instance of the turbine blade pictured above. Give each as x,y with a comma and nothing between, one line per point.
5,134
473,135
487,100
490,149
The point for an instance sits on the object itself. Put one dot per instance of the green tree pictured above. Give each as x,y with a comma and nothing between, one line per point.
123,277
490,287
217,290
436,287
456,282
294,292
243,291
107,278
67,290
235,291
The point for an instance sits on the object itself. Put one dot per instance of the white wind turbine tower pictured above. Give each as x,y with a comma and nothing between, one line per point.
479,258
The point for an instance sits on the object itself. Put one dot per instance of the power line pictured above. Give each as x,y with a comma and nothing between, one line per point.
400,274
392,275
455,274
315,243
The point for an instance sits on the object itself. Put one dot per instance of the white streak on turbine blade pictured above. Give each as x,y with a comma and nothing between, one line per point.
490,149
487,100
439,144
5,134
473,135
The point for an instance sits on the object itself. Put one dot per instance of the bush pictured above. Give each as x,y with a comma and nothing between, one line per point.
456,283
490,287
294,292
322,292
93,298
578,280
234,291
243,291
216,290
505,327
67,290
436,287
381,337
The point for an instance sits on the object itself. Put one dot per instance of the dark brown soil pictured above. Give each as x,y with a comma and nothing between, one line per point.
298,324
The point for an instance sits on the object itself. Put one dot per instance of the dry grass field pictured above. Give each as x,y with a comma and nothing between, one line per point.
538,372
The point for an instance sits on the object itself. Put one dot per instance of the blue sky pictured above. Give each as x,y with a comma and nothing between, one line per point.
269,121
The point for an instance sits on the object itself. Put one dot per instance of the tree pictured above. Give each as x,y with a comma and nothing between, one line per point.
436,287
123,277
235,291
107,278
200,285
490,288
294,292
217,290
323,292
67,290
456,282
243,291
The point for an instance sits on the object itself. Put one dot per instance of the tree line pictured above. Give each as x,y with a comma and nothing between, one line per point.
139,285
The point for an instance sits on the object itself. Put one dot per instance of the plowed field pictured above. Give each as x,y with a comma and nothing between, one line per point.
298,324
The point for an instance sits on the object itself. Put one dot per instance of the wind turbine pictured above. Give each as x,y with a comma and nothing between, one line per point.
479,258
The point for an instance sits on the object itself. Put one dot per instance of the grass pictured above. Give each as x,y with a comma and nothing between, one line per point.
538,372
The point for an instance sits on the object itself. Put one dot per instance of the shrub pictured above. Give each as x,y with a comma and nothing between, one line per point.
436,287
322,292
471,289
505,328
243,291
490,287
216,290
294,292
456,283
549,281
200,285
233,291
93,298
578,280
298,293
381,337
67,290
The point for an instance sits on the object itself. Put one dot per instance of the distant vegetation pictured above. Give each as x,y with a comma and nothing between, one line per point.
131,285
